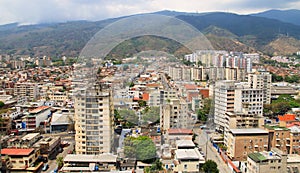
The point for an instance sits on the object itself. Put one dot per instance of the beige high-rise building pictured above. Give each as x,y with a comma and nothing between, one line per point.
93,121
262,80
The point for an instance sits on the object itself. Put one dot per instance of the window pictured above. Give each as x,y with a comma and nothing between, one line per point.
185,166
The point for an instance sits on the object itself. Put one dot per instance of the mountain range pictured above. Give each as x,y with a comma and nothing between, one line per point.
271,32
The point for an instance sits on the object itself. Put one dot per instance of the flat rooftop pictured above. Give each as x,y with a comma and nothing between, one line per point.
186,154
106,157
30,136
185,143
248,131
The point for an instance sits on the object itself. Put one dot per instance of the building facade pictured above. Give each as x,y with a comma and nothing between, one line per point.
93,121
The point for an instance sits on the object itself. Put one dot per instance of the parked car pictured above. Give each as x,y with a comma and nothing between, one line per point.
45,167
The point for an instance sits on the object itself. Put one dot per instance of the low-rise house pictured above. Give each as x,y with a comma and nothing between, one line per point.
90,163
21,160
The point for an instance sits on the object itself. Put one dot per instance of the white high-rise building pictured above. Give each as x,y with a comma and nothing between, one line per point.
93,121
224,101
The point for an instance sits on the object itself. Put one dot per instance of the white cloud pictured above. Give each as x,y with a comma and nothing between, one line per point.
37,11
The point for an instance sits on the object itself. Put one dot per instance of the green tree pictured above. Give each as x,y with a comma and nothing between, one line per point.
60,161
141,148
151,114
142,103
2,104
202,113
210,167
129,116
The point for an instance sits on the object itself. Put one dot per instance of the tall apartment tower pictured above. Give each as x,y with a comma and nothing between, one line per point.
93,120
262,80
224,102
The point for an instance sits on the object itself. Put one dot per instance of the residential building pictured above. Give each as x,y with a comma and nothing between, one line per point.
274,161
239,120
26,141
262,80
174,114
89,163
294,139
224,96
241,142
28,90
21,160
279,137
187,160
36,117
49,146
94,120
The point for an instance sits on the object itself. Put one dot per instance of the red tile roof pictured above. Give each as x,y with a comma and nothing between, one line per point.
180,131
36,110
16,151
145,96
190,87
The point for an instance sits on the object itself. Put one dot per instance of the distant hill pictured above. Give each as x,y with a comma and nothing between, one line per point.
226,31
289,16
282,45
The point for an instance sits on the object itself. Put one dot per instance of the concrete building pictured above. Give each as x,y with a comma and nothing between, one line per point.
241,142
279,137
224,102
174,114
89,163
248,100
93,120
274,161
28,90
36,117
294,139
235,120
187,160
262,80
21,160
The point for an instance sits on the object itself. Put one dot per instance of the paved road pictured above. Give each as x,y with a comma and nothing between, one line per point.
211,153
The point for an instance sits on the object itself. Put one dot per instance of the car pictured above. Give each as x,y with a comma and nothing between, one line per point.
45,167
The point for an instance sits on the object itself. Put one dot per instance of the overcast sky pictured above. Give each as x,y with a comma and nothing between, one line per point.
42,11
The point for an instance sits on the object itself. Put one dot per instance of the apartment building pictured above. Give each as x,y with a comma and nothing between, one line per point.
294,139
248,100
36,117
94,120
236,120
174,114
262,80
224,102
267,161
241,142
279,137
28,90
274,161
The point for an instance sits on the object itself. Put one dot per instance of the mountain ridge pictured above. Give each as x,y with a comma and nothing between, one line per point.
251,33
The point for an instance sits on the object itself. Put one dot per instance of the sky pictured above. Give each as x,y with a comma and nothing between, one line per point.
49,11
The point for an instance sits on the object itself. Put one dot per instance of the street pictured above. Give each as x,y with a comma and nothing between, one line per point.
209,151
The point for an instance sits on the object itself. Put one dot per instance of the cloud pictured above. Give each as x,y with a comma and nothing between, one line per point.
37,11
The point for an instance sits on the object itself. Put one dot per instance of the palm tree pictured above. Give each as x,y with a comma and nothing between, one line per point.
60,162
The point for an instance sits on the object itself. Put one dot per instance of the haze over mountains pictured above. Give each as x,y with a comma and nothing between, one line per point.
271,32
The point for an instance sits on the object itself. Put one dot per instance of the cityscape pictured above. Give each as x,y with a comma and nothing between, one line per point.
157,92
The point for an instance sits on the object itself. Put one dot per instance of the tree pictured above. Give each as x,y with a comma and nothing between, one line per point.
129,116
141,148
142,103
202,113
151,114
60,161
2,104
210,167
